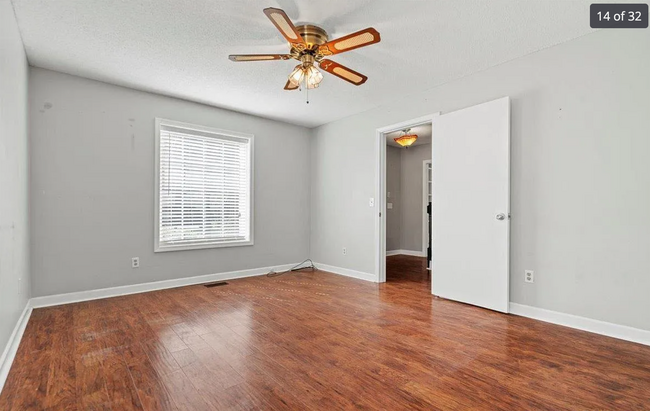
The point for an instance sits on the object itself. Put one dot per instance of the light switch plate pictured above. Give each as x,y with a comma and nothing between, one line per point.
371,203
389,206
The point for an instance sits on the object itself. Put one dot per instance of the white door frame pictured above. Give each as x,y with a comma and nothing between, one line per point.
425,203
380,189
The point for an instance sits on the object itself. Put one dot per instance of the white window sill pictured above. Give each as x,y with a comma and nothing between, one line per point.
200,246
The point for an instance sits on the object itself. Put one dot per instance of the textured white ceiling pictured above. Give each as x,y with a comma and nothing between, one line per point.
180,48
422,131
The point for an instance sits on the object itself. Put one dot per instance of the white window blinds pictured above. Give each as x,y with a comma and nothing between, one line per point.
204,191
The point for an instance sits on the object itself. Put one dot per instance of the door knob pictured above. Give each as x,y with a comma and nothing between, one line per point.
501,216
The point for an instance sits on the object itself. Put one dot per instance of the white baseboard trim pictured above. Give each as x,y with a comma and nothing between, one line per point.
76,297
406,252
10,350
621,332
347,272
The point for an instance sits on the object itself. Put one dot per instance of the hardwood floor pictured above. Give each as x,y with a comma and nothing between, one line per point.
409,269
314,340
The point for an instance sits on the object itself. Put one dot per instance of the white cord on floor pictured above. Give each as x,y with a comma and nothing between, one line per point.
296,267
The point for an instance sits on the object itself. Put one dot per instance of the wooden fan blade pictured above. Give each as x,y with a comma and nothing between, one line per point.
258,57
343,72
350,42
280,19
291,86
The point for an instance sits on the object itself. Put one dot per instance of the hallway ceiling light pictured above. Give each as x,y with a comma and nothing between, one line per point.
406,139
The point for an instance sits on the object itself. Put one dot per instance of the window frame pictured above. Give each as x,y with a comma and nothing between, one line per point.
158,248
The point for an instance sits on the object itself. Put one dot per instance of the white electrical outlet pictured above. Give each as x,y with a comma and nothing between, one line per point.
345,251
135,262
389,206
529,276
371,203
388,195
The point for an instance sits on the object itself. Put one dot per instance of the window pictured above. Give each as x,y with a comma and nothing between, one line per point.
204,192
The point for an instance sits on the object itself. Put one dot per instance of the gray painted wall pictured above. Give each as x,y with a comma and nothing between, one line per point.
14,228
580,174
404,222
393,186
92,191
412,223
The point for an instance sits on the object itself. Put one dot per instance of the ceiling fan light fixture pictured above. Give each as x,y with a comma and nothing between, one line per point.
406,139
310,75
310,44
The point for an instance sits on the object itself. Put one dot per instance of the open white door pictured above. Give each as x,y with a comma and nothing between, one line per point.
471,205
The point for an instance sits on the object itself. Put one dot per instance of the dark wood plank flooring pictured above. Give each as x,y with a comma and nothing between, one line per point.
408,269
314,341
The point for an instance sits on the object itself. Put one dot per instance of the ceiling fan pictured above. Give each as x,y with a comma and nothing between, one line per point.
309,45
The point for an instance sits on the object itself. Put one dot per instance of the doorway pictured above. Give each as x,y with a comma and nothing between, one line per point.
470,221
403,232
427,198
408,185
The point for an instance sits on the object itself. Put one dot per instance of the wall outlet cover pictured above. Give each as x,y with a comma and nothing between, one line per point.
529,276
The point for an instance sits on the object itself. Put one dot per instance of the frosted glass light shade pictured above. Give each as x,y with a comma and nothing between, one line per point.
314,77
296,76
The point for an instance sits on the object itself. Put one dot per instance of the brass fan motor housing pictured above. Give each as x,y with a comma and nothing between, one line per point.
314,36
